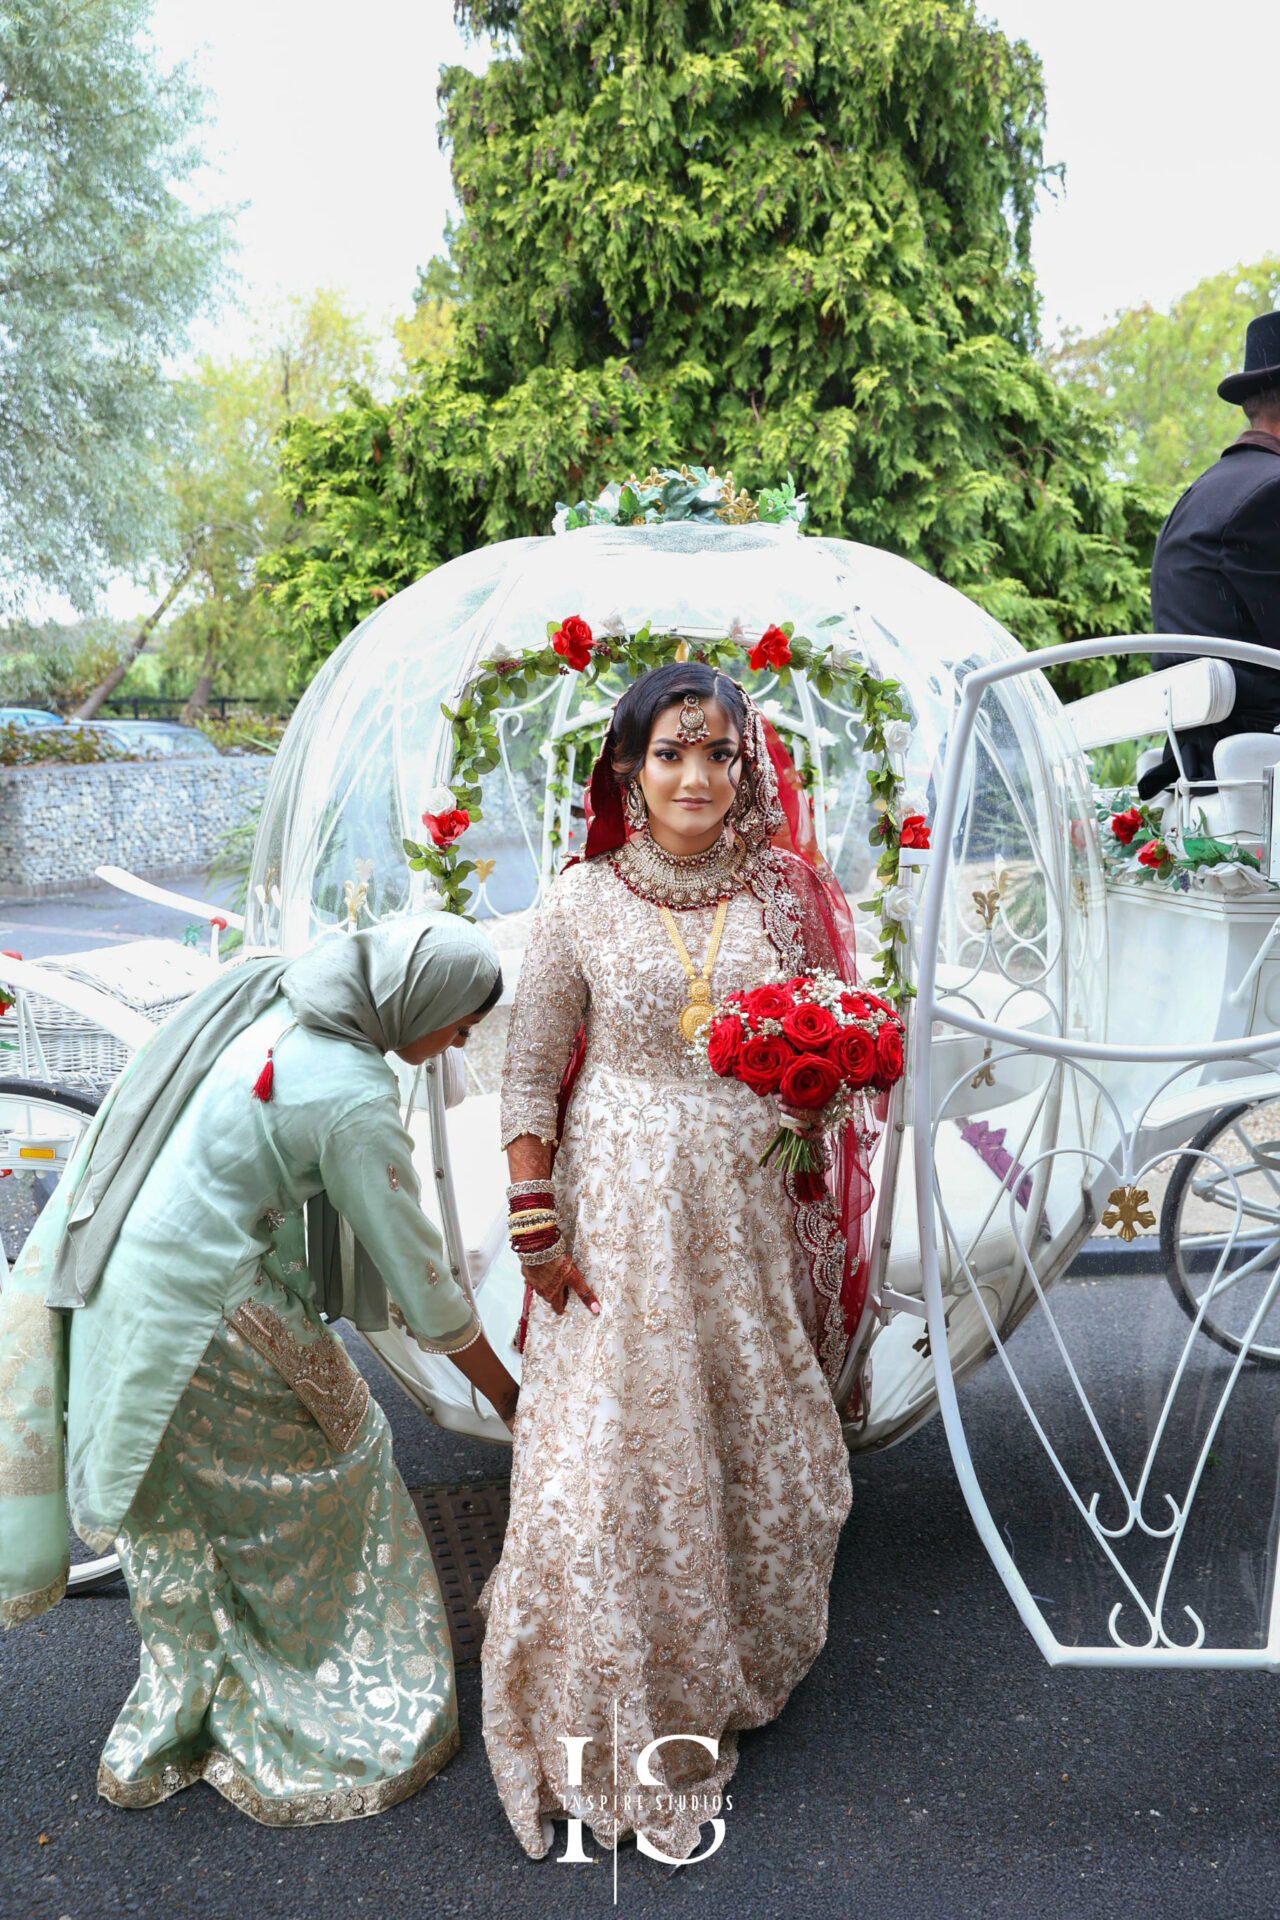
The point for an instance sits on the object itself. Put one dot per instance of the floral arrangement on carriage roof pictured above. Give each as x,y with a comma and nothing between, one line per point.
573,647
1137,847
681,493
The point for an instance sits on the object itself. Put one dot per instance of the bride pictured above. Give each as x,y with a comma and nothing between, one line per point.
679,1477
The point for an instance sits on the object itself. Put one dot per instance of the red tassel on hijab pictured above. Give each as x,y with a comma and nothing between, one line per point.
264,1085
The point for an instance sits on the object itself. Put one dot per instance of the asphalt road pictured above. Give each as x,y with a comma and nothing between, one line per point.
930,1763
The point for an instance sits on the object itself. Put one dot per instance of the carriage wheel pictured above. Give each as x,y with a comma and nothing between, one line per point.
56,1115
1198,1225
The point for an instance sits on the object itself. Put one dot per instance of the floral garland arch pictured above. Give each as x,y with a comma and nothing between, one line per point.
572,647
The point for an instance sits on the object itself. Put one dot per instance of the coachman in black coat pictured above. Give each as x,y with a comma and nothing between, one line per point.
1216,569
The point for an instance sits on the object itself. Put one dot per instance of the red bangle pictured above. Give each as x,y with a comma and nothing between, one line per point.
527,1202
535,1242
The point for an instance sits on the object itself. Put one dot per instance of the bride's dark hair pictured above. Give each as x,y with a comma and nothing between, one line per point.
652,694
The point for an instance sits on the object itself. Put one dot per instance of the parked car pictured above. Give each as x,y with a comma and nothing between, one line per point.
30,719
159,739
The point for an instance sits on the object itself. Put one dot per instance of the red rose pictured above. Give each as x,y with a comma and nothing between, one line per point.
883,1006
854,1056
772,649
445,828
572,639
1153,854
810,1027
1125,825
809,1082
888,1054
768,1003
762,1062
724,1044
913,832
855,1003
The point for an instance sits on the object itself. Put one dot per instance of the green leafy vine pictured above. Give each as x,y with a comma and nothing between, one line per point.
879,705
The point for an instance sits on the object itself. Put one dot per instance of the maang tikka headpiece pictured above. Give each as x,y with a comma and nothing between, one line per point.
692,724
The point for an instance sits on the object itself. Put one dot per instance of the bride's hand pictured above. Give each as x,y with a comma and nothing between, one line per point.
555,1279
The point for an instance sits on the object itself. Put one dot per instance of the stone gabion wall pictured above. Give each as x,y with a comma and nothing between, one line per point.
57,824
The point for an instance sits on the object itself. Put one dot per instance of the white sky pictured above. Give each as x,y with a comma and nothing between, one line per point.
327,116
1170,171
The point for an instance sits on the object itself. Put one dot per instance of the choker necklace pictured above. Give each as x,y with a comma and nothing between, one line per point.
680,879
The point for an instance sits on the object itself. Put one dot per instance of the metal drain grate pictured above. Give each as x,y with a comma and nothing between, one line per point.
464,1522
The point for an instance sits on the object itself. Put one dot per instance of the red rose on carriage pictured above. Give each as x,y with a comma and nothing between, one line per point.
445,828
835,1044
572,640
772,649
1154,854
913,832
1125,825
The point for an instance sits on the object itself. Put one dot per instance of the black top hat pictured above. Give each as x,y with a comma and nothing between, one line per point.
1261,360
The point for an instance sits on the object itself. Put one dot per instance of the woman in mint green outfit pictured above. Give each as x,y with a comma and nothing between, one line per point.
295,1650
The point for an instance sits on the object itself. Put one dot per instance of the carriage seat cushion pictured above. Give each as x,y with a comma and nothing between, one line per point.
1238,764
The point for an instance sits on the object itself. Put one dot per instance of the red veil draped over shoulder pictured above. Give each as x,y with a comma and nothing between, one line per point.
808,920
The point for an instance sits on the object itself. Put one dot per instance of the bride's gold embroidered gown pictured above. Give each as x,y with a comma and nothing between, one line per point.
679,1478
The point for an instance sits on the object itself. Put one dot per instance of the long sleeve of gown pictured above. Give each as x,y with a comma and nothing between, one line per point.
367,1166
550,1004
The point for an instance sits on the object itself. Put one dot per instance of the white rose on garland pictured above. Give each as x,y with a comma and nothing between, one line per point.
899,904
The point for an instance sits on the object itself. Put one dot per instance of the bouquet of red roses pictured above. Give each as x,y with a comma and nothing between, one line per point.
819,1045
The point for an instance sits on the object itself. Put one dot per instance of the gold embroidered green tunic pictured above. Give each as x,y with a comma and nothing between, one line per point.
232,1172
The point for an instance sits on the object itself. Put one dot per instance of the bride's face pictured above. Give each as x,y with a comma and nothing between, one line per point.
689,789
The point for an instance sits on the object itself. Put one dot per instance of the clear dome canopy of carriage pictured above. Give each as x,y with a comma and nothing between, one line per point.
369,742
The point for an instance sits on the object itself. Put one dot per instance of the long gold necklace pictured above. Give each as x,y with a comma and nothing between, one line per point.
695,1014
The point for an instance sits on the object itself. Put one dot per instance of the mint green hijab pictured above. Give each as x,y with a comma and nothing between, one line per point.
382,988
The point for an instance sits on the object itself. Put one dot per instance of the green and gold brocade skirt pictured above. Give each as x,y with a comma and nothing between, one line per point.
295,1648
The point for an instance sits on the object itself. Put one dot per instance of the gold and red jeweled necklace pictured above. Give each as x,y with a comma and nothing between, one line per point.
685,881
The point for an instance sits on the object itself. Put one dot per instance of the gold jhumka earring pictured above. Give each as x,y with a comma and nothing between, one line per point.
633,807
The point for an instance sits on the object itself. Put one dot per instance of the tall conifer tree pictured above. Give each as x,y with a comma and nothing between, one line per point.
767,235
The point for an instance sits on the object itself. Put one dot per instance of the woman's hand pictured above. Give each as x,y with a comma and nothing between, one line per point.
479,1364
554,1280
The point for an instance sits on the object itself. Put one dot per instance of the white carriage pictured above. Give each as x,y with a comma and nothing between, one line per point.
1073,1026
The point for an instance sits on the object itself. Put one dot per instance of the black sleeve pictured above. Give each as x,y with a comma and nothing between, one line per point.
1251,557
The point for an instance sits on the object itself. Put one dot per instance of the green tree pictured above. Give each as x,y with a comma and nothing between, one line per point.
766,237
103,263
224,506
427,332
1157,373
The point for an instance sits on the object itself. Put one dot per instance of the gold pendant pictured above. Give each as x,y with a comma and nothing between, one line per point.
695,1016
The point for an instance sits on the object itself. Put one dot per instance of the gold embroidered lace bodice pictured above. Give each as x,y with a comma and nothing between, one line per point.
679,1476
600,953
